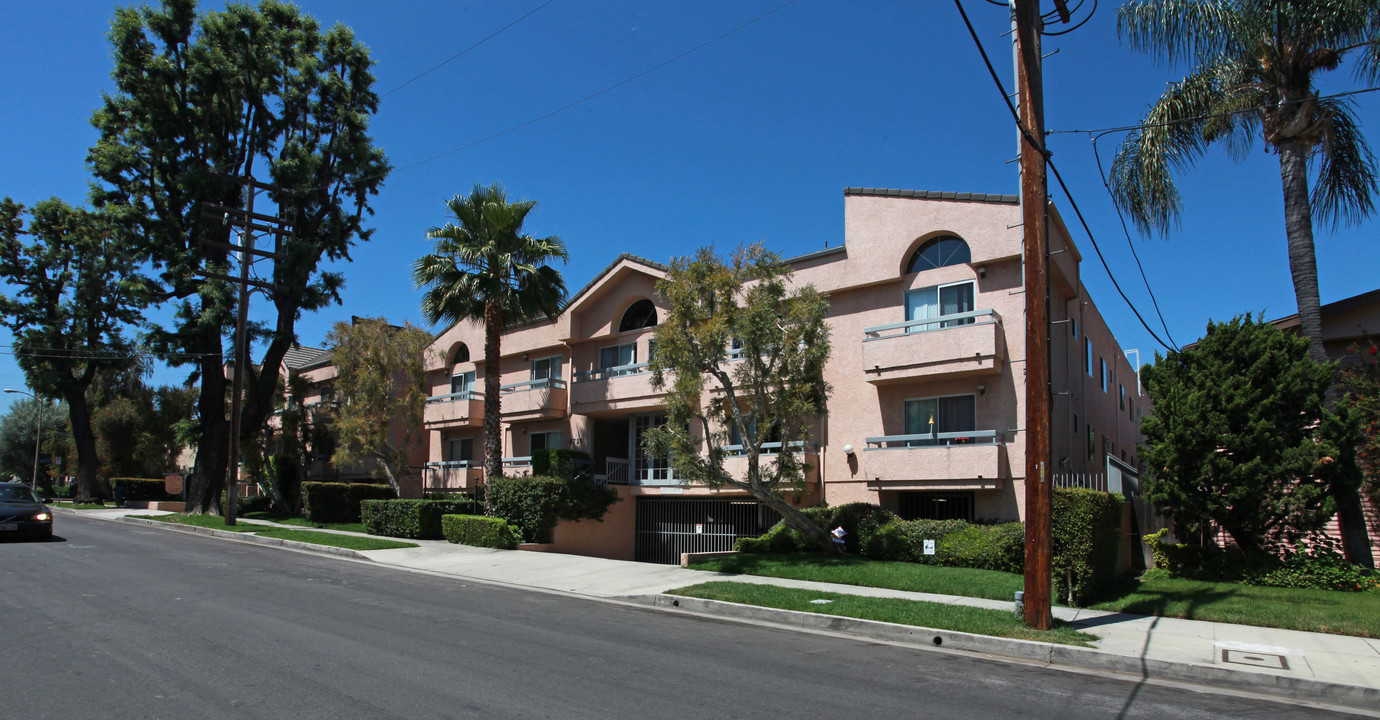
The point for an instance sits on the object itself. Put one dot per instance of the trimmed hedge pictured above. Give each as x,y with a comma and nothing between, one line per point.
556,462
480,531
535,504
413,519
904,540
859,520
1087,537
985,547
339,502
142,488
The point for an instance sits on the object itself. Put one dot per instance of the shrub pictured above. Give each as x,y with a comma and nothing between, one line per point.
556,463
64,491
904,540
859,520
1320,567
339,502
985,547
414,519
140,489
533,504
783,539
480,531
1086,538
537,503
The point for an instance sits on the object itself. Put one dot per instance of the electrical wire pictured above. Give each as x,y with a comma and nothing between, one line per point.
1026,135
487,38
1066,31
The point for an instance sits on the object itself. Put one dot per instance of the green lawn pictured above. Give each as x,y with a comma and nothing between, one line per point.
299,521
351,542
939,616
1340,613
853,570
1311,610
76,506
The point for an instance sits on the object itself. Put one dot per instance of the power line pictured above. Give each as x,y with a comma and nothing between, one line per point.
487,38
1072,203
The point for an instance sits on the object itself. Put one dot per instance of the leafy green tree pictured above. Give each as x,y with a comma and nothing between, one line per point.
769,390
199,103
17,434
485,270
77,290
1255,62
1362,381
1240,437
382,390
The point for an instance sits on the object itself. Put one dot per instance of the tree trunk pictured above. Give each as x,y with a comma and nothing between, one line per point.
213,452
1303,266
493,445
799,521
89,488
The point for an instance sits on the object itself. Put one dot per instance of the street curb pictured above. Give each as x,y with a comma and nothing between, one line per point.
1046,653
248,537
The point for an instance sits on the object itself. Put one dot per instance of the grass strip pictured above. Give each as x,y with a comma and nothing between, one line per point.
939,616
214,522
299,521
913,577
78,506
1324,611
351,542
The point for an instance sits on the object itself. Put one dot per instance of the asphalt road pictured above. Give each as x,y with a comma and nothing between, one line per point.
119,621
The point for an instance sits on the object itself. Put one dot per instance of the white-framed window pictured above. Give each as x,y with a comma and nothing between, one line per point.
550,440
939,300
547,368
462,381
460,449
617,356
648,467
935,415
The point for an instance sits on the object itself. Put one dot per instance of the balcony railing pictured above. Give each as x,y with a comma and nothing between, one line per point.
449,476
455,397
944,439
610,372
771,448
942,322
556,383
518,462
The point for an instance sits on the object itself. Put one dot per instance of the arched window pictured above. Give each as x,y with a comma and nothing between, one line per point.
462,353
641,314
939,252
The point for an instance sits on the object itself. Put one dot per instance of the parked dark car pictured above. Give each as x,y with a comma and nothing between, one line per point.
22,513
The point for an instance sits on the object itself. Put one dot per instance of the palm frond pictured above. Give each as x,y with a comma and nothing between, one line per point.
1177,30
1346,184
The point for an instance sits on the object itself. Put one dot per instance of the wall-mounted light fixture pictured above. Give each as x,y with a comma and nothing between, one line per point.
524,357
847,449
982,271
982,389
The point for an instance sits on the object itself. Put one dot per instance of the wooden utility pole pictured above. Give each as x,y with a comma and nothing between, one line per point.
248,221
1039,494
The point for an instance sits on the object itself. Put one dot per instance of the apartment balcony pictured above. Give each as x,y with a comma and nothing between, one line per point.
457,476
972,460
948,346
545,399
456,410
625,387
736,464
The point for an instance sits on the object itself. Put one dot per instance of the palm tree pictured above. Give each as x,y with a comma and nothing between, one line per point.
1255,61
485,269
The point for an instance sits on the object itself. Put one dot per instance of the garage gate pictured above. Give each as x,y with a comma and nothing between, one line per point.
666,528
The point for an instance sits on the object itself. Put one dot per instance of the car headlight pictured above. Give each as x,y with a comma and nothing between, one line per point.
43,517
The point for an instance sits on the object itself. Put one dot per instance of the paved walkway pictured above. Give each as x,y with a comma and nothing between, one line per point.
1315,666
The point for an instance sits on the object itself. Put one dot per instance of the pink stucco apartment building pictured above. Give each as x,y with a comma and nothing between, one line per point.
927,410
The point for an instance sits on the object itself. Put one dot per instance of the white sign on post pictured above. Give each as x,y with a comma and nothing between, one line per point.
929,547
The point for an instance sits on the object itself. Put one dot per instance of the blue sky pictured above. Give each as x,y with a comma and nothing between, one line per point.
751,138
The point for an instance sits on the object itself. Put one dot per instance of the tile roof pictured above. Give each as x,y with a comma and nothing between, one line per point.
298,357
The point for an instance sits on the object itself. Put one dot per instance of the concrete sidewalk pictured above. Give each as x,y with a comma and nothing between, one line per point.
1311,666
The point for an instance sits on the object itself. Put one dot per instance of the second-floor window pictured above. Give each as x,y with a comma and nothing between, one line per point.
938,300
617,356
547,368
545,441
462,449
932,416
462,382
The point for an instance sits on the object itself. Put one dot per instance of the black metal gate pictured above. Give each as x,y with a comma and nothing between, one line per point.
666,528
